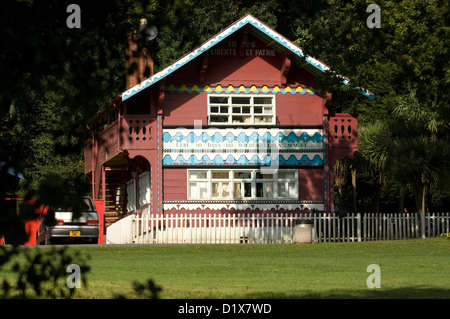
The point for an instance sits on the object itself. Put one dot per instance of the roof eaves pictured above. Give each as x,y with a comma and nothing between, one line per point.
246,20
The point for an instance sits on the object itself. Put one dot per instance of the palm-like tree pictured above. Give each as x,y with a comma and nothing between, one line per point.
407,148
373,150
420,163
418,157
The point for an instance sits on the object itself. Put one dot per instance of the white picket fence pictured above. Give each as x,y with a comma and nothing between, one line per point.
280,228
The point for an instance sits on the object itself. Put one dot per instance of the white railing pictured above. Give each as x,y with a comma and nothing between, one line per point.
269,228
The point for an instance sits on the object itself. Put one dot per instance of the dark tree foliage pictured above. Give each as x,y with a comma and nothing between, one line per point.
54,78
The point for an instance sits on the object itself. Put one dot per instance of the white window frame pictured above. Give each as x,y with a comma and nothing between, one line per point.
206,180
253,180
229,115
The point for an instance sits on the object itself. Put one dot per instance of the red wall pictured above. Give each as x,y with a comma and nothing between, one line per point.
299,109
183,108
291,109
311,185
175,183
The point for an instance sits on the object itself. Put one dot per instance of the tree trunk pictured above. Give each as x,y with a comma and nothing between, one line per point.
424,198
419,198
340,195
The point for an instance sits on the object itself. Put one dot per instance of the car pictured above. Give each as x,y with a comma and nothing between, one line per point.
66,228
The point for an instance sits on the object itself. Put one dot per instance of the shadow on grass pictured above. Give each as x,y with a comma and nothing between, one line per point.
416,292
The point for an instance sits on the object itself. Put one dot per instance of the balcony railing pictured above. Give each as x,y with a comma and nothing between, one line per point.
137,132
130,132
343,131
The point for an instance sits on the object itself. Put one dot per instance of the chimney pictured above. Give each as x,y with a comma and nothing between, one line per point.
139,63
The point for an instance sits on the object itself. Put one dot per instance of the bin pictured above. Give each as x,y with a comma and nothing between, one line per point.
303,231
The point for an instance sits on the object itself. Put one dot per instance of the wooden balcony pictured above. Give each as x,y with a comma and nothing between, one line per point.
130,132
343,136
343,131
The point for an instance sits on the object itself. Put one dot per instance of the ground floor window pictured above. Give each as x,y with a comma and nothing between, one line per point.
242,184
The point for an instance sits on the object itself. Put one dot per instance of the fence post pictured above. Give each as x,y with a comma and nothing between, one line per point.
422,224
447,222
358,226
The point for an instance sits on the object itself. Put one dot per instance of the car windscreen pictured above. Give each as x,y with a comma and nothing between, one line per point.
81,205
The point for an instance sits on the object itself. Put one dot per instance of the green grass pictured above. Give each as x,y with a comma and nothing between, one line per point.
409,269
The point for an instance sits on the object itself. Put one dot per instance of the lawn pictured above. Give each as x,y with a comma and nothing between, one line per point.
409,269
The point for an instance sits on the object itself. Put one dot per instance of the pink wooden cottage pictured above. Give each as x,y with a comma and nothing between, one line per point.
234,126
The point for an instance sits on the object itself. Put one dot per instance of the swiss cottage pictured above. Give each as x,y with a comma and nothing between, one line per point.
235,126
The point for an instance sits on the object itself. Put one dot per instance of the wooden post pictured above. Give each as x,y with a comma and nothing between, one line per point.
422,224
358,226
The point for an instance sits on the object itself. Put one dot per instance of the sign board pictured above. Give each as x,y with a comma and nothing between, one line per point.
243,146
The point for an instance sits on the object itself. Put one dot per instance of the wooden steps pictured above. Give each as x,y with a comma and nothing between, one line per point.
115,199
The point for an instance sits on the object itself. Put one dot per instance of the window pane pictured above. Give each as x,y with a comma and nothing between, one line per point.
281,190
259,190
242,175
203,190
292,193
236,109
223,109
241,119
267,110
240,100
258,110
193,190
267,119
247,189
237,190
220,175
220,189
246,110
286,175
219,119
214,109
262,100
198,175
225,189
198,190
218,99
259,119
269,189
263,176
215,190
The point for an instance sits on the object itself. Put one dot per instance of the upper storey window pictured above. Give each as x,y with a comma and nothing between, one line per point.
238,110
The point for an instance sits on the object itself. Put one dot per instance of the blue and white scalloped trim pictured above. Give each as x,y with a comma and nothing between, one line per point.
229,146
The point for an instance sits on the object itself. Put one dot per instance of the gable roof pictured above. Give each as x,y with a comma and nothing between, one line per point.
278,41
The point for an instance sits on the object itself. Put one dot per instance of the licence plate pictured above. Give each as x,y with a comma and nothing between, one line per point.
74,233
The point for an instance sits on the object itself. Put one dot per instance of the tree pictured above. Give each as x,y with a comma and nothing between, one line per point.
411,46
404,63
420,154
